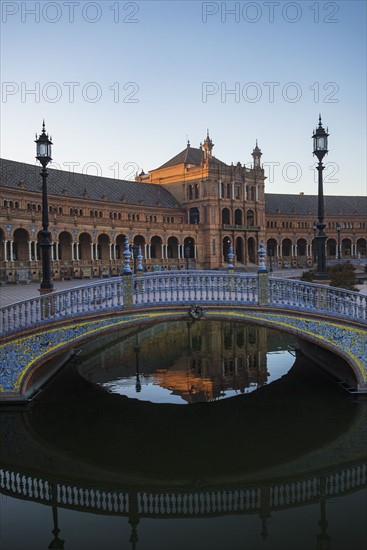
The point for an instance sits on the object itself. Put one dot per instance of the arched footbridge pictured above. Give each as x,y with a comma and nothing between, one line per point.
50,326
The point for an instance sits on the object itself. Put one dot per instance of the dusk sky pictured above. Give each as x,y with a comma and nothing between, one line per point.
123,85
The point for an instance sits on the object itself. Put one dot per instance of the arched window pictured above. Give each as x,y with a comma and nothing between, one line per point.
194,215
226,216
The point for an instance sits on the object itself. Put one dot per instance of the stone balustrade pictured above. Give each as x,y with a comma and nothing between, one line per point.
183,287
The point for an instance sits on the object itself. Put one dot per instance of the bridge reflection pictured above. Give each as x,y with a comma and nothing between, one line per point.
83,449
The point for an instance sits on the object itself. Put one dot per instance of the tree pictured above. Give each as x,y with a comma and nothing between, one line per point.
343,276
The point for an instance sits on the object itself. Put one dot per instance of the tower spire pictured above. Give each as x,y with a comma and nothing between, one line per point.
207,146
256,154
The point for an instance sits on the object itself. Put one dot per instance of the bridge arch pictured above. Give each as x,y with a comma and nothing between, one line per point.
57,344
49,325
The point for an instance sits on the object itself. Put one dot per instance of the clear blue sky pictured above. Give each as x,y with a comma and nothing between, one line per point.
122,85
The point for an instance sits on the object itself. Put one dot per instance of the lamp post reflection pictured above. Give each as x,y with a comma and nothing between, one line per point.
56,543
137,371
323,539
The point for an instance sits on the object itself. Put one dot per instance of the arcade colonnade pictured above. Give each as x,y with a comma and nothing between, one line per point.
83,253
89,254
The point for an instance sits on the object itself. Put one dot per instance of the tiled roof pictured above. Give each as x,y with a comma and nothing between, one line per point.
307,204
76,185
190,155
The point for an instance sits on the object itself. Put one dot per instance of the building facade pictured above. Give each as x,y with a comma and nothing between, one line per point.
184,214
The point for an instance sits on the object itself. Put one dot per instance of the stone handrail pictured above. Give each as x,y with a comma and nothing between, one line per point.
317,298
178,288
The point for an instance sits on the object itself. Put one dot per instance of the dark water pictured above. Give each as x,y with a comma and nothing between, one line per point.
268,453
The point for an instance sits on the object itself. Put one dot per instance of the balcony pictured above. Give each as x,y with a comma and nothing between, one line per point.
241,227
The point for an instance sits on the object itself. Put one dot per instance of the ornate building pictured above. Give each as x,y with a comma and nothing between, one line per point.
184,214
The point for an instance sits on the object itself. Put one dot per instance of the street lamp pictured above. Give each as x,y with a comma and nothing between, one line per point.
314,227
320,143
44,157
338,229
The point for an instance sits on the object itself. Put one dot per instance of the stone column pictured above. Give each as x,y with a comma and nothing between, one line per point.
5,251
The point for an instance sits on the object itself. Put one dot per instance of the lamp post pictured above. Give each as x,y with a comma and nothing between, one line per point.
320,143
314,227
44,157
338,229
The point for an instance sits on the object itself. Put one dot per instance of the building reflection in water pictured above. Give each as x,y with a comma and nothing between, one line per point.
196,361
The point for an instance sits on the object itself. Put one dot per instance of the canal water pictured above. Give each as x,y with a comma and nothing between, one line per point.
186,435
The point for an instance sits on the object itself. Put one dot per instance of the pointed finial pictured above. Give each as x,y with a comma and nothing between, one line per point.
43,127
261,253
256,142
127,256
230,257
140,260
320,120
207,133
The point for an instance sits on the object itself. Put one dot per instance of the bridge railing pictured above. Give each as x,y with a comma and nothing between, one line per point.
199,286
183,287
74,302
319,298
